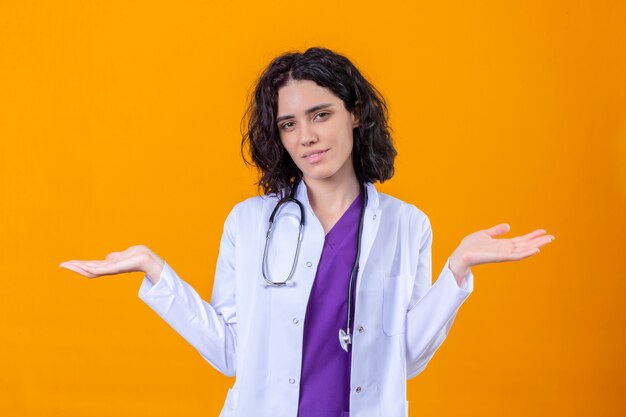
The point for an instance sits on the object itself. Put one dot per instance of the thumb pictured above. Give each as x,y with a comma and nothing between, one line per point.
498,230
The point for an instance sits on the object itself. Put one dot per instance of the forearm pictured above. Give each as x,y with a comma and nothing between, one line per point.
211,332
429,321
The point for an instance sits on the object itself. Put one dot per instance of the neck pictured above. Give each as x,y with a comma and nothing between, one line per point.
330,199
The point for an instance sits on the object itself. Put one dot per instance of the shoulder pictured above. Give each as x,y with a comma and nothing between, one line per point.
409,220
401,209
251,208
255,203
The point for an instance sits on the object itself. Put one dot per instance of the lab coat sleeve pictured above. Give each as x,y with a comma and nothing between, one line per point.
432,307
210,328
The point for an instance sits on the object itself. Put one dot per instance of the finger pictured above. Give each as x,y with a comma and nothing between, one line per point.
103,268
532,248
544,240
84,265
523,243
96,268
80,262
78,270
536,242
109,267
529,236
90,263
498,229
529,252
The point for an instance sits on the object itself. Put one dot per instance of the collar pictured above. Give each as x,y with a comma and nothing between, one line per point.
372,197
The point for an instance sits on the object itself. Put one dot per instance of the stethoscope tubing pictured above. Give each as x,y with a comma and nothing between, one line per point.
268,235
345,337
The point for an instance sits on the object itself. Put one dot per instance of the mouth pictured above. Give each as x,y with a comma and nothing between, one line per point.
314,154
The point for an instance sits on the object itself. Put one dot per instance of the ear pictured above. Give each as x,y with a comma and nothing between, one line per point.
356,114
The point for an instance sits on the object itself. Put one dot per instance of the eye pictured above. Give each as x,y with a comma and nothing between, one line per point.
285,125
323,113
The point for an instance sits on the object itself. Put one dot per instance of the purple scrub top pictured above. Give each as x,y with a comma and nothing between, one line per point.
325,376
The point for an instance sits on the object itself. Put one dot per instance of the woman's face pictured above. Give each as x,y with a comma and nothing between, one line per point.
316,130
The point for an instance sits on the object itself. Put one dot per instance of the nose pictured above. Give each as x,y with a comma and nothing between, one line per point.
307,134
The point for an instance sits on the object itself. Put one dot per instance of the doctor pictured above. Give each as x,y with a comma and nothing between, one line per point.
328,309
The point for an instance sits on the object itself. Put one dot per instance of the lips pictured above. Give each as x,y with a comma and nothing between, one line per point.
314,154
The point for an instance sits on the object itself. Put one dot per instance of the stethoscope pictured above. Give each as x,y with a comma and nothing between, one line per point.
345,337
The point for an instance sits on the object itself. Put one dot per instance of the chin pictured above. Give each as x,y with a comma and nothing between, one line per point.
322,174
320,177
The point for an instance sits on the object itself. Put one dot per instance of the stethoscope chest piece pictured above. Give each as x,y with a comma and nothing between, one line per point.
344,339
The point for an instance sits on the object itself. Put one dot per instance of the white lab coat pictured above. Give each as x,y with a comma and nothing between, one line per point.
255,332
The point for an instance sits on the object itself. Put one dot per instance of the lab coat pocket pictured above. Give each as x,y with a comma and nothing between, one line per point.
395,303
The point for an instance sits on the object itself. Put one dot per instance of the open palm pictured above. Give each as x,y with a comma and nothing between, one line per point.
132,259
481,247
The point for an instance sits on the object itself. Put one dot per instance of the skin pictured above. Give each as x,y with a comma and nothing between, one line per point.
332,186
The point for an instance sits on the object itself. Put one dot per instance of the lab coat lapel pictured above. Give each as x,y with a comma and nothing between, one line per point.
370,222
370,229
303,196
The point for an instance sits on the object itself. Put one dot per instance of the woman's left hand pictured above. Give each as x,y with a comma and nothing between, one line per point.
481,248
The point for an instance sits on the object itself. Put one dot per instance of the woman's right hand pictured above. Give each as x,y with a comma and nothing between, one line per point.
138,258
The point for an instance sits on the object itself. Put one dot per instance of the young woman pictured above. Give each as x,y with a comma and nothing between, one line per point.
322,302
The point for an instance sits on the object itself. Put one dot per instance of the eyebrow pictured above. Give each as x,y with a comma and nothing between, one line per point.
308,111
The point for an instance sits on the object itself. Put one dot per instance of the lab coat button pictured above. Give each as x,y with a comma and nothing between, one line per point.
358,390
361,329
309,264
374,217
295,321
292,381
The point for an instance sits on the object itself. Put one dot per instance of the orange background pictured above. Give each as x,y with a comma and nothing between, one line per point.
119,125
